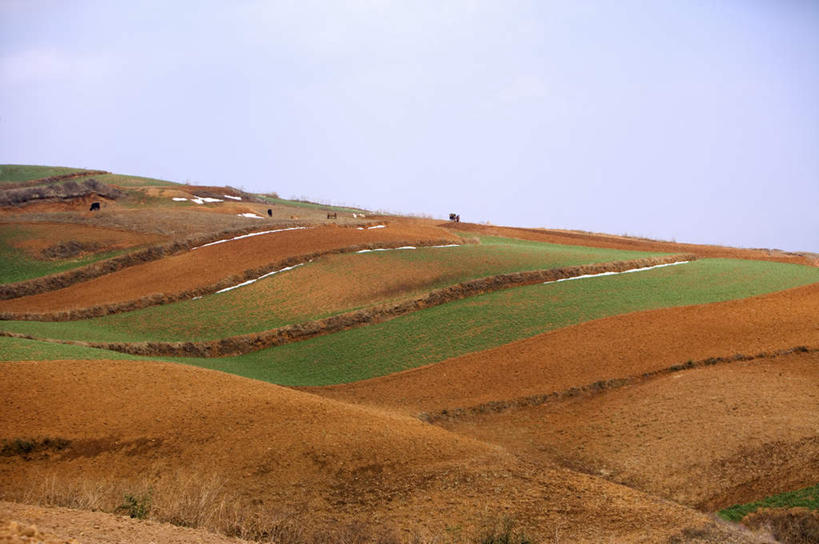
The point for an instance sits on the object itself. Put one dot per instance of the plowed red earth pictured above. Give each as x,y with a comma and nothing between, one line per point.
710,437
636,244
322,461
39,236
208,265
26,524
615,347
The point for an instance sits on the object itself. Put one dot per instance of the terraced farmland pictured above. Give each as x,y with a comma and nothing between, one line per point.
328,286
483,322
442,389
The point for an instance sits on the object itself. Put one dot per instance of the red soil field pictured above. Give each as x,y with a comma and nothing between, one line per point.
208,265
23,523
637,244
40,236
615,347
321,461
709,437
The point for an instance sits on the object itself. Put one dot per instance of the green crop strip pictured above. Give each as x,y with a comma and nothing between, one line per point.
311,292
13,173
17,265
312,205
806,498
494,319
22,349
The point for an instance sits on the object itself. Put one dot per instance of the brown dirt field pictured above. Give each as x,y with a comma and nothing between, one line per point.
709,437
40,236
324,462
637,244
604,349
208,265
22,523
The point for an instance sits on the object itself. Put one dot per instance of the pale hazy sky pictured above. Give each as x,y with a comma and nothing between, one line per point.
691,120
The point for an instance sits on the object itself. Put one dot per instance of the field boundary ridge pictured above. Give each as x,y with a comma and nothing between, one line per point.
157,252
601,386
246,343
60,280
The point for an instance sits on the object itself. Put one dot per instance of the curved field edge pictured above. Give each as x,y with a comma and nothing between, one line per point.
482,322
326,288
601,386
302,331
807,497
232,281
94,269
485,321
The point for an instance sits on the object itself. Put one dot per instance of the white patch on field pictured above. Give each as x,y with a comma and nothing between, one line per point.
402,247
232,197
447,245
209,199
248,236
377,227
615,273
248,282
250,215
360,228
197,200
179,199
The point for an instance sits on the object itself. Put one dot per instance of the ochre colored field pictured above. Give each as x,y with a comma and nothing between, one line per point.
614,347
329,463
35,237
710,437
208,265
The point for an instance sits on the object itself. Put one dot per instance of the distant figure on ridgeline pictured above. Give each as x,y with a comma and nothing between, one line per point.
455,218
95,206
269,212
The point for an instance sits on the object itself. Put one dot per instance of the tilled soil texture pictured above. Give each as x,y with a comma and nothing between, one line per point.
23,523
605,349
41,240
555,236
206,266
321,462
709,437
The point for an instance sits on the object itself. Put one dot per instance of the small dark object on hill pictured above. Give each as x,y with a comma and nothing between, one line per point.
455,217
95,206
270,212
332,215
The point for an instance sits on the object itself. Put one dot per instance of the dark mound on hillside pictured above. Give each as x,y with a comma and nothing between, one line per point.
55,192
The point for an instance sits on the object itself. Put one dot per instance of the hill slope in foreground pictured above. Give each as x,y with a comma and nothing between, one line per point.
625,409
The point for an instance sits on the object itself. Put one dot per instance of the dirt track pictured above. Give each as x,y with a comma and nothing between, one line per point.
615,347
637,244
209,265
322,461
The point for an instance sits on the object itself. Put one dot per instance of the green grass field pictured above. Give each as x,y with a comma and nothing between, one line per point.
806,498
494,319
132,181
13,173
312,292
17,265
312,205
21,349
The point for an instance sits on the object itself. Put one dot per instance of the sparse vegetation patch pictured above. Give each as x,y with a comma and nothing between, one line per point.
804,498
